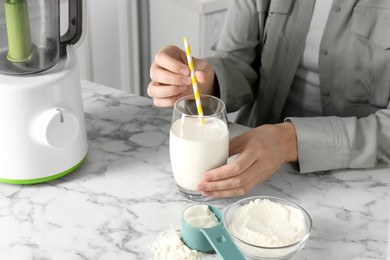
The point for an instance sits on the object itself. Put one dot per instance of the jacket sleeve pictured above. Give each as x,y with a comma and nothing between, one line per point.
235,53
328,143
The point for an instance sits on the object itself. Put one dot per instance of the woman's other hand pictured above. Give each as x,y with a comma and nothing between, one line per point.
261,150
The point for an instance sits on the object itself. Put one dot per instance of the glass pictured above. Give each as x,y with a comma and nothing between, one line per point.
197,145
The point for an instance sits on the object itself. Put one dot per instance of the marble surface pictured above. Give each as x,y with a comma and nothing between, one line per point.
115,204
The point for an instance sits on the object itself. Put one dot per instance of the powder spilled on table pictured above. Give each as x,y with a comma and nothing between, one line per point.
170,246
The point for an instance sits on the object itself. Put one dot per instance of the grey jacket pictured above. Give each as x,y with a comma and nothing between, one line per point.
256,59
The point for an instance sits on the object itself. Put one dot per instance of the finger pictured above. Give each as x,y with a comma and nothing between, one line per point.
170,63
166,102
200,76
158,90
253,178
160,74
258,174
234,182
230,192
238,166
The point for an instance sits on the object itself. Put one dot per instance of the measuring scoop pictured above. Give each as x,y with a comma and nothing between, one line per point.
210,239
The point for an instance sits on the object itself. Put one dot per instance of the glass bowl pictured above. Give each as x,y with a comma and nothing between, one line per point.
254,251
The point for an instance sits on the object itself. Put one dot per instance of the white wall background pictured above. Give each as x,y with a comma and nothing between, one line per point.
109,53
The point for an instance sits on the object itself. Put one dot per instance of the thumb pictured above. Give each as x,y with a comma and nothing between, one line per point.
200,76
237,144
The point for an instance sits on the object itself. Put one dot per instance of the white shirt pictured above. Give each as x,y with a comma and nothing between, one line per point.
304,98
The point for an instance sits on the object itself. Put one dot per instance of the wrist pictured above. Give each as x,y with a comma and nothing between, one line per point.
290,135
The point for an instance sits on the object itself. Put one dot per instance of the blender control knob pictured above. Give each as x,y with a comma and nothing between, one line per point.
57,128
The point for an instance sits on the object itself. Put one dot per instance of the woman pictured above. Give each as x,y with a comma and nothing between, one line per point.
311,77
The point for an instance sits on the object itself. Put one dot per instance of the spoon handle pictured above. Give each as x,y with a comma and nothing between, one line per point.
222,243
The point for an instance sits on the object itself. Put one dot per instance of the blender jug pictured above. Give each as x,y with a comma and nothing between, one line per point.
30,40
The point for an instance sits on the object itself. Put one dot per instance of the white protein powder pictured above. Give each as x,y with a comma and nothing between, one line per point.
170,246
265,223
200,216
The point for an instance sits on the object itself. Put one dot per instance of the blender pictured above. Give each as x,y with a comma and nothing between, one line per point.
42,130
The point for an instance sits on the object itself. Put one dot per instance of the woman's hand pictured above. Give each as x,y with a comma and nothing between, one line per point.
261,150
171,77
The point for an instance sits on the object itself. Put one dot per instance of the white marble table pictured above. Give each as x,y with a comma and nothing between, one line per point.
124,195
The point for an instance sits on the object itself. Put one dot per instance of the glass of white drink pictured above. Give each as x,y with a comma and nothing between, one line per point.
197,144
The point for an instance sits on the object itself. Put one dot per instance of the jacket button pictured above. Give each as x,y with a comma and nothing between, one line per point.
325,92
324,52
336,8
381,162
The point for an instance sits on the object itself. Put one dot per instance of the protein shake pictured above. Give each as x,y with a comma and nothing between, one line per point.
196,147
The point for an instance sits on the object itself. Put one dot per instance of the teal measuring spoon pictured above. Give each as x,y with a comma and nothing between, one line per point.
210,239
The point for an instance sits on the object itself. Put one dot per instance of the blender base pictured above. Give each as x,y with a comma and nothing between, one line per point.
44,179
42,133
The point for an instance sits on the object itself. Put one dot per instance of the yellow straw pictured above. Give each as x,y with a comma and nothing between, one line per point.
193,79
